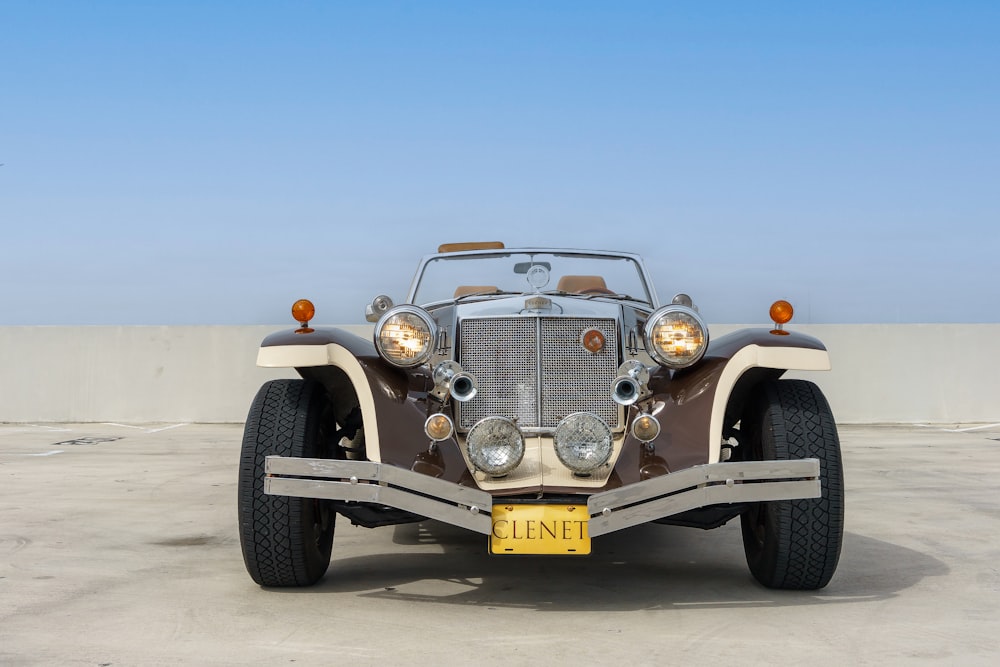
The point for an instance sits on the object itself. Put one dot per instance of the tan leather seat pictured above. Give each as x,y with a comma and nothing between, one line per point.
462,290
474,245
581,284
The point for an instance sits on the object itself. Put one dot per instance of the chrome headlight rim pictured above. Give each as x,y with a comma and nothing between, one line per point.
563,441
424,356
657,354
477,453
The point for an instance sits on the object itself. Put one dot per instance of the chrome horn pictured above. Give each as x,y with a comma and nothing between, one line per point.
631,382
463,387
449,378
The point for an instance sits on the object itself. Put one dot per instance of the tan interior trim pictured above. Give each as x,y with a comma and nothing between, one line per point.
473,245
581,283
462,290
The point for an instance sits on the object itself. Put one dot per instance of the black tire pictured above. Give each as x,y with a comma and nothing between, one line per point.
794,544
286,541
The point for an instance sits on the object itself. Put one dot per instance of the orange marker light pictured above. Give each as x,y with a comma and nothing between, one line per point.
592,340
303,311
781,312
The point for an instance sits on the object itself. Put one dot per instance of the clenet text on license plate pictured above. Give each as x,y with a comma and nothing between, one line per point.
539,529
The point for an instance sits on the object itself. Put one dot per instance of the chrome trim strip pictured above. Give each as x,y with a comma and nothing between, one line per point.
700,486
364,481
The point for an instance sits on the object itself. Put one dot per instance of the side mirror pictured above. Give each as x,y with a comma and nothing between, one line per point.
377,308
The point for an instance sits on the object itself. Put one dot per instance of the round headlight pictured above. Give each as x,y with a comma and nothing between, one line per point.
495,445
583,442
675,336
405,336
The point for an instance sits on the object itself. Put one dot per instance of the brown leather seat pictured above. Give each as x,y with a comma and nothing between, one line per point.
474,245
583,284
462,290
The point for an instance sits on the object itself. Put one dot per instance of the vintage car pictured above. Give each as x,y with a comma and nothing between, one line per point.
542,398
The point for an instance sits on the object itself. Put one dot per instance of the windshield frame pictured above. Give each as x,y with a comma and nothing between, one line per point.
649,297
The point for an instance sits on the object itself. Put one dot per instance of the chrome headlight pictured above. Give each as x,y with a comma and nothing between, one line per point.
675,336
583,442
405,336
495,445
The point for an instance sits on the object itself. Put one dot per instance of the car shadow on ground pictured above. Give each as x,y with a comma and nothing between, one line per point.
647,567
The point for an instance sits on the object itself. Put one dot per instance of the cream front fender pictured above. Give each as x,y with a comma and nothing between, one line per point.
331,354
756,356
294,356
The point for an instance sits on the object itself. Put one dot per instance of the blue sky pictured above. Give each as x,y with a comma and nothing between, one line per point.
209,162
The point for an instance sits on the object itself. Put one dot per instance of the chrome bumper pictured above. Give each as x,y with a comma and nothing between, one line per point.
656,498
701,486
366,482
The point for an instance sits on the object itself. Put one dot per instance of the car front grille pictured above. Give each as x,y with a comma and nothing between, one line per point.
536,370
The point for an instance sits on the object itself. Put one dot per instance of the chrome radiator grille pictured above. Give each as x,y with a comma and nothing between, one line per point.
536,370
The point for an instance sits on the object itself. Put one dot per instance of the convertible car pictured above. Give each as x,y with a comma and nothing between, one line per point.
542,398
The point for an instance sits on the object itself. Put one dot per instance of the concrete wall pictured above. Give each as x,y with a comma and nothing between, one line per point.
934,373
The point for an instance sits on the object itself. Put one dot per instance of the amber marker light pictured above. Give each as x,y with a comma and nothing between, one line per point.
781,312
592,340
645,428
438,427
303,310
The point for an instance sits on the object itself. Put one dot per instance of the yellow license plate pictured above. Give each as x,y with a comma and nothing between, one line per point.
540,529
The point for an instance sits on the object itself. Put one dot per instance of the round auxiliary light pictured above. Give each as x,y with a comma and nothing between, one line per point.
645,428
583,442
682,299
404,336
495,446
676,336
439,427
381,303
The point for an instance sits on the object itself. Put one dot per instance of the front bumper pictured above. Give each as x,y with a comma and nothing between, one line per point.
631,505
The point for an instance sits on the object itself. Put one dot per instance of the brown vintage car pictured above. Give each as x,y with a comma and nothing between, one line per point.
543,398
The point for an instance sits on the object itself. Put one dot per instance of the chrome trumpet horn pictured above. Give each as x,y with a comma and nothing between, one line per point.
630,385
449,378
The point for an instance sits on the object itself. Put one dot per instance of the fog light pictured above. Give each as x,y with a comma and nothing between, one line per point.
438,427
645,428
495,446
583,442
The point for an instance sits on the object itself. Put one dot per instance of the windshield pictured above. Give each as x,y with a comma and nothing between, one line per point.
447,277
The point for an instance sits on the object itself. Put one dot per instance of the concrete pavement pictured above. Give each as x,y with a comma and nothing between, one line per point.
118,546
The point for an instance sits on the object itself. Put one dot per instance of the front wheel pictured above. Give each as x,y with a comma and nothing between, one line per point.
794,544
286,541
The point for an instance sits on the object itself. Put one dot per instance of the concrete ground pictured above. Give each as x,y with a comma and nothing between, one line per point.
118,546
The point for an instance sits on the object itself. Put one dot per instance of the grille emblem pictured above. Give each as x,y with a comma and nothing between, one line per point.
538,303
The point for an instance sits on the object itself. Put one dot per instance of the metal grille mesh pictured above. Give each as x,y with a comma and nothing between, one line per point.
574,379
506,356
